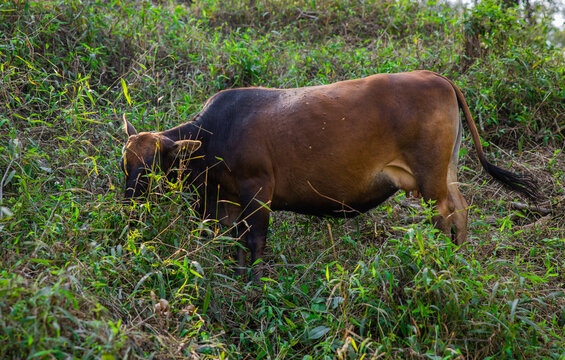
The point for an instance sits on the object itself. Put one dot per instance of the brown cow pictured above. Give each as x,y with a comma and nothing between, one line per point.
337,149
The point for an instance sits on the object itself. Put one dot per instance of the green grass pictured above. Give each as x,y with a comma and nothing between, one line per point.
80,274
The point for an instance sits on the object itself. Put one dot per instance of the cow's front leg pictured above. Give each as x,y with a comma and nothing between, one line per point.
253,224
256,239
253,236
241,251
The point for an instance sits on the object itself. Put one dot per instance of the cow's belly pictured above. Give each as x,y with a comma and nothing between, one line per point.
348,198
345,193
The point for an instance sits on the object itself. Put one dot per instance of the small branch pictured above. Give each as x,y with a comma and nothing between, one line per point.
408,205
414,219
4,179
307,14
520,206
540,222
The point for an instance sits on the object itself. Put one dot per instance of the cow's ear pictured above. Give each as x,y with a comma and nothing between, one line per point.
186,147
128,128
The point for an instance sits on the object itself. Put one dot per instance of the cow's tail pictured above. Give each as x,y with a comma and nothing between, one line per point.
521,183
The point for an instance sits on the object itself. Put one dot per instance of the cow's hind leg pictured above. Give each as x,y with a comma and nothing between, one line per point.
450,205
459,209
436,174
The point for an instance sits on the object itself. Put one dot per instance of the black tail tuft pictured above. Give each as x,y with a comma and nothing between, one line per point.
523,184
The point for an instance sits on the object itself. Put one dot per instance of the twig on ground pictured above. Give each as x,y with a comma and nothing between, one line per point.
540,222
520,206
4,179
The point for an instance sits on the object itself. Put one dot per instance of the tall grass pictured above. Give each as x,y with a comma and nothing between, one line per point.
80,274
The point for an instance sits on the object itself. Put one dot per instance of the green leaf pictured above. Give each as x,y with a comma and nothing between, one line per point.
318,332
207,299
44,353
125,88
290,323
195,273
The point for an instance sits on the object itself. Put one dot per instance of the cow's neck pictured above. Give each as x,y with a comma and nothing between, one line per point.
187,131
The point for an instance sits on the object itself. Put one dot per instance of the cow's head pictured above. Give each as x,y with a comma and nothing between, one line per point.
146,152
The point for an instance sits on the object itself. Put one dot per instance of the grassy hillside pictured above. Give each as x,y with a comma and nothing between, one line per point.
80,275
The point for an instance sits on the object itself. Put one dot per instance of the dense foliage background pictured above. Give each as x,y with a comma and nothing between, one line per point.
80,275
